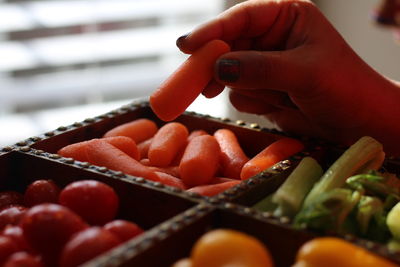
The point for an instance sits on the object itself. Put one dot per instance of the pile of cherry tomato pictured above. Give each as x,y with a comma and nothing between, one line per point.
51,226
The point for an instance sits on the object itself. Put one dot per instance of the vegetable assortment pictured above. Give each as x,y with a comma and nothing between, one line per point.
196,161
48,226
353,196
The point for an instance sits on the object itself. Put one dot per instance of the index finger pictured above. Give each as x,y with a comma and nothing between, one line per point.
242,21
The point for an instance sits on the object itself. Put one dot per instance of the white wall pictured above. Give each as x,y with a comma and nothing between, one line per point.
372,42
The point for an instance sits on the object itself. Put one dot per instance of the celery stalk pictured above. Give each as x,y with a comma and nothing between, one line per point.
329,211
392,221
367,207
366,154
265,204
393,245
290,195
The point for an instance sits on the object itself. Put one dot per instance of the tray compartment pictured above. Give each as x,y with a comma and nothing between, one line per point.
182,231
139,202
251,136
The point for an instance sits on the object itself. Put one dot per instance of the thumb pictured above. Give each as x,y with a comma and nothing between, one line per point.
277,70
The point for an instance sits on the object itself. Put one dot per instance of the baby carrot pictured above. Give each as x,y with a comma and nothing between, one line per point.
177,159
139,130
145,162
183,86
170,180
232,156
167,143
218,180
77,151
125,144
101,153
171,170
200,160
143,147
213,189
272,154
195,133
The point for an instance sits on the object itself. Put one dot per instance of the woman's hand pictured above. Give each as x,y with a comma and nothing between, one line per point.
290,64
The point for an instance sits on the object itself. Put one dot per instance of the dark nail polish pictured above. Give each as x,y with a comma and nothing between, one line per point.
228,70
180,40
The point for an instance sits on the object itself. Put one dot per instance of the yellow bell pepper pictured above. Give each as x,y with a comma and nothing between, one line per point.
334,252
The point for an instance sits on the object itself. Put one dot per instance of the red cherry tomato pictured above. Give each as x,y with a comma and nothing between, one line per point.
23,259
11,215
124,230
47,227
41,191
86,245
8,198
94,201
7,247
16,234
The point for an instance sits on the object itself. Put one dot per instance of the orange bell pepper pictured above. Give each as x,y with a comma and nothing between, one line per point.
226,247
223,247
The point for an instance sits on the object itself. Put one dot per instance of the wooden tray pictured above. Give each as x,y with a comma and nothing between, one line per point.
173,218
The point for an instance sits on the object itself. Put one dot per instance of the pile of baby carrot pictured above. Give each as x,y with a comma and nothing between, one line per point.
196,161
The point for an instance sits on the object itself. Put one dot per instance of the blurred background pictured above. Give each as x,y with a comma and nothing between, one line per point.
64,61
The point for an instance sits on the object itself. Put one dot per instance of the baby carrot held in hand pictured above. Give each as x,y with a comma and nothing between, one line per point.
232,156
272,154
200,160
167,143
184,85
139,130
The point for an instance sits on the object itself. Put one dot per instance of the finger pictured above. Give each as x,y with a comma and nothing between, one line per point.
246,20
270,97
278,70
251,105
241,44
213,89
295,122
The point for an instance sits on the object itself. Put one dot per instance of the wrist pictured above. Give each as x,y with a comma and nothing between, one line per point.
382,106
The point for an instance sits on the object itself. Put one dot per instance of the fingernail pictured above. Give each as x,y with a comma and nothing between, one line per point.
180,40
228,70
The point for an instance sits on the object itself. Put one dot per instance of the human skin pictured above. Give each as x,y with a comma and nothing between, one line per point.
289,64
